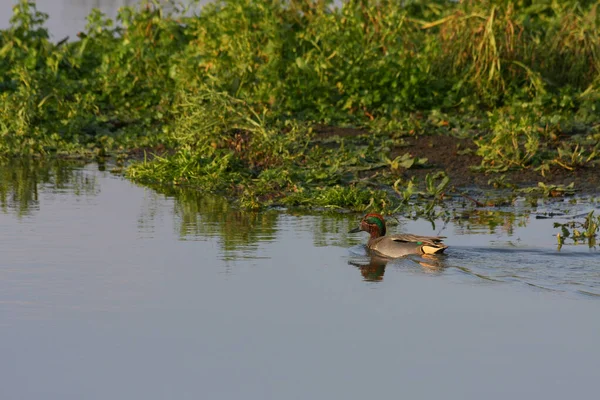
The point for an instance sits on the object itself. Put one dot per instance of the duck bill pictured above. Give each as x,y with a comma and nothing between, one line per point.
355,230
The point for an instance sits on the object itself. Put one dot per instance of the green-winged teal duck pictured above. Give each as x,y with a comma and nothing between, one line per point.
397,245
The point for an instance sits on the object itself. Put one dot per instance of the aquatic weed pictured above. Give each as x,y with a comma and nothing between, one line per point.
579,231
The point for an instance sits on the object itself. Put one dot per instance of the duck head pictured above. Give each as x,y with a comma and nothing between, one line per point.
372,223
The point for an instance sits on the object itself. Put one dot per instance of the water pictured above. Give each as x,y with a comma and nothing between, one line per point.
112,290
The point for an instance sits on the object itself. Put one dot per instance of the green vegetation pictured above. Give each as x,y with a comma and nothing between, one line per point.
578,231
240,97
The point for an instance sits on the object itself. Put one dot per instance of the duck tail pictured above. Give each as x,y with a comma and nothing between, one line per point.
433,249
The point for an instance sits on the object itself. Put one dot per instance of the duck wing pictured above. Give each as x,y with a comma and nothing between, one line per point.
410,238
394,246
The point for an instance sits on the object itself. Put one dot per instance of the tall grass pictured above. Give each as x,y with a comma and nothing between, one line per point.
502,48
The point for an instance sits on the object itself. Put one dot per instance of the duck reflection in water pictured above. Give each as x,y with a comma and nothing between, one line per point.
372,267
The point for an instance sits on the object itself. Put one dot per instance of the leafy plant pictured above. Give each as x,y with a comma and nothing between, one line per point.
510,144
551,190
405,161
572,156
579,231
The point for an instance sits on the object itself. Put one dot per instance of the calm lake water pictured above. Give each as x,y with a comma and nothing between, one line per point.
109,290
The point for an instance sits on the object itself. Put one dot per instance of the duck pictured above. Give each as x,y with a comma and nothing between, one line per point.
394,246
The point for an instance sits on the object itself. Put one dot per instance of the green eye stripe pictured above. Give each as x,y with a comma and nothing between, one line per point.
374,220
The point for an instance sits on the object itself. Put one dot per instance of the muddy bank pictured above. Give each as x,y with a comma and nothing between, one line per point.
458,159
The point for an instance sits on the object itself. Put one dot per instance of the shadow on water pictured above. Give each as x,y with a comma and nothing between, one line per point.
493,246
